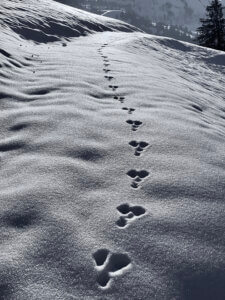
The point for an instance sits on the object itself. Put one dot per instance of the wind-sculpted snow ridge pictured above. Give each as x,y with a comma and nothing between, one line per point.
45,21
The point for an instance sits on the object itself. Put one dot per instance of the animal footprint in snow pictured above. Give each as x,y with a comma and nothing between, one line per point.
137,176
106,64
135,124
113,87
130,213
109,77
129,110
121,98
106,70
139,147
109,265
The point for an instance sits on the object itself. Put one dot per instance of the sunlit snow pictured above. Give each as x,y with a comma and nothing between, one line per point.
112,160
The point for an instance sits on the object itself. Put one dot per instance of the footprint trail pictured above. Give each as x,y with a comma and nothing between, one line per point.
108,264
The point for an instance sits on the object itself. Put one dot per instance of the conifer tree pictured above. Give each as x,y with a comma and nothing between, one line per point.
212,32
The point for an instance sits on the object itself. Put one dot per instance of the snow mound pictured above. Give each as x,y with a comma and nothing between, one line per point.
45,21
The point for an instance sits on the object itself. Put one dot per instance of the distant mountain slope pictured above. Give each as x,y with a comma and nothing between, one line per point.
41,21
174,12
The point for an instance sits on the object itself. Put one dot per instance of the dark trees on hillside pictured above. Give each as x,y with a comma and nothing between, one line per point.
74,3
212,32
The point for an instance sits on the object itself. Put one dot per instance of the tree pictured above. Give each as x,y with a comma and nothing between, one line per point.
212,32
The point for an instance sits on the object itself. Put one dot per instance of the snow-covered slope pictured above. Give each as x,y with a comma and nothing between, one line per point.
49,21
112,165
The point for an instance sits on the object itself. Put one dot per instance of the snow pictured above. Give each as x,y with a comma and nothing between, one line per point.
49,21
69,170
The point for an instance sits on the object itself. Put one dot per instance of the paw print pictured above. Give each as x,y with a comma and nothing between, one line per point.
134,124
137,176
139,147
109,265
129,214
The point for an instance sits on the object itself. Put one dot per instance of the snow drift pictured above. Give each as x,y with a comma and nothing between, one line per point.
46,21
112,163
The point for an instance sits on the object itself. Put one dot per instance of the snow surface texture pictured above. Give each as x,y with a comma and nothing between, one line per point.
48,21
112,164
